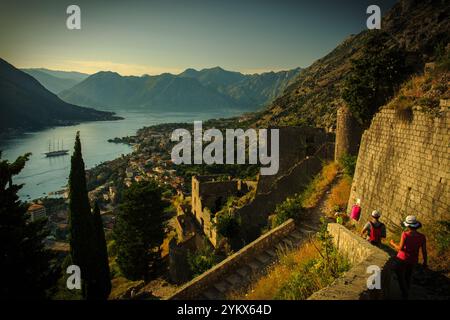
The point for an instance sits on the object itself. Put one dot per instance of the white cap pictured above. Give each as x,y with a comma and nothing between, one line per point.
376,214
358,201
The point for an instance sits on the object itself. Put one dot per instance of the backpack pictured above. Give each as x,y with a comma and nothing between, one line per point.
375,233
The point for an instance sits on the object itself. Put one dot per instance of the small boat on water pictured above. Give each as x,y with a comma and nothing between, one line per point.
57,152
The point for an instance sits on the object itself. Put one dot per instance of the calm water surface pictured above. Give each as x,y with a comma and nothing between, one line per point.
42,175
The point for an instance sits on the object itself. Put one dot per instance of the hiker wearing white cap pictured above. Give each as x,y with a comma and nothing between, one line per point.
408,253
374,230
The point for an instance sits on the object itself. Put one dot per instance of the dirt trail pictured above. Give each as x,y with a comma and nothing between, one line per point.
312,220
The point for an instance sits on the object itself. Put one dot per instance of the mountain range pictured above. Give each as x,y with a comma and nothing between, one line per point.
26,105
191,90
417,26
56,81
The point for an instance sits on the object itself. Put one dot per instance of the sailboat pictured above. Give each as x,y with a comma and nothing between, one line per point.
57,152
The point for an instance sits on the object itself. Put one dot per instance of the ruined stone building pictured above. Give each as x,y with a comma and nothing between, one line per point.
302,152
209,195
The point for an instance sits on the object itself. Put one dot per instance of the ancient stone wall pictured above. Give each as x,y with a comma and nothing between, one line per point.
296,143
254,215
362,256
179,270
403,167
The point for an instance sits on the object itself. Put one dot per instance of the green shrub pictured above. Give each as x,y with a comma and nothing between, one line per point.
374,77
442,236
201,261
290,208
228,224
348,164
428,102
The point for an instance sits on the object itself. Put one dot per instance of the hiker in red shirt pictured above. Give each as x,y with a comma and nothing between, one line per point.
408,253
374,230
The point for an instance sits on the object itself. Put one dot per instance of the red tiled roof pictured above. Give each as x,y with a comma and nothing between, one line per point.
35,207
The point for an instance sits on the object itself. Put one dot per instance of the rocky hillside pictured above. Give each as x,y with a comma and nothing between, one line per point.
417,26
26,105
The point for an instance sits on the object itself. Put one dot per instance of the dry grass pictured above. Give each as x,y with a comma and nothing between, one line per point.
421,90
278,275
120,285
320,184
337,201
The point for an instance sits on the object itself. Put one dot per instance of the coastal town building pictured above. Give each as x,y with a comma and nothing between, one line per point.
36,211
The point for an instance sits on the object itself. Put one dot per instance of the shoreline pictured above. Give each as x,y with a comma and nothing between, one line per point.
12,133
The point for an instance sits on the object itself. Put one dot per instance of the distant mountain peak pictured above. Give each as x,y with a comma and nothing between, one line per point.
107,73
192,89
217,68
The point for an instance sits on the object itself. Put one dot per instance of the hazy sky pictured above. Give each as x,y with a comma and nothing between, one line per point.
137,37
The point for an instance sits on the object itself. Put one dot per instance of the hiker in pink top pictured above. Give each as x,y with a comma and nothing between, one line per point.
408,253
355,212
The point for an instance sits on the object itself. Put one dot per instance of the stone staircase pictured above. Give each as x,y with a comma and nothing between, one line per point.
246,273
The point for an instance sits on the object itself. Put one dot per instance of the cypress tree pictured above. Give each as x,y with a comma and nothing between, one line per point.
102,274
26,265
80,220
87,237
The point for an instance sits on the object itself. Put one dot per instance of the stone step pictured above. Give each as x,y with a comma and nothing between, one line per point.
309,227
263,258
235,279
254,265
305,231
222,286
213,294
281,247
271,253
293,239
297,235
202,297
287,242
244,271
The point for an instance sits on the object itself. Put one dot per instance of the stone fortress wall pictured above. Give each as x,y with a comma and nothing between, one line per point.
403,167
302,152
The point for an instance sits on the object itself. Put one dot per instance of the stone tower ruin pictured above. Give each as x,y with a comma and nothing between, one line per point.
348,134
